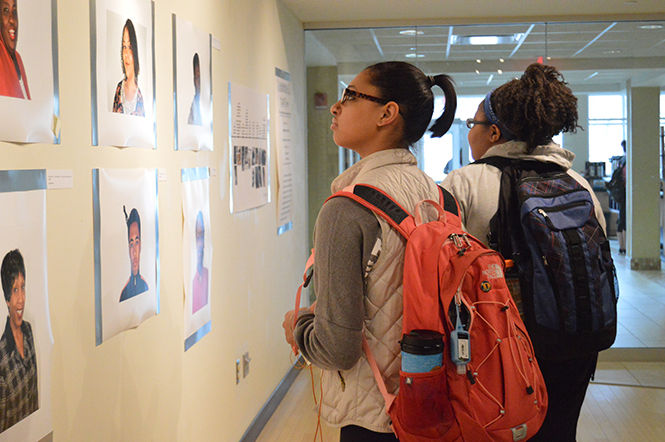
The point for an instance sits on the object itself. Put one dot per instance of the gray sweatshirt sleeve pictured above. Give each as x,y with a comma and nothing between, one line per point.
344,236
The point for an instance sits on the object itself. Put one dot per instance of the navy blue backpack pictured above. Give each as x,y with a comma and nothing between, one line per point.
546,224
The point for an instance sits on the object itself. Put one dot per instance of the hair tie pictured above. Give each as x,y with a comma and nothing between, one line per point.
493,119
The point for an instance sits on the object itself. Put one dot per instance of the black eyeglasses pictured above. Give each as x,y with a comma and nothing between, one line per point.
349,94
470,122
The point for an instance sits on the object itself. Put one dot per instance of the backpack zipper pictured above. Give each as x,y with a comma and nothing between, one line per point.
461,242
523,198
548,221
544,214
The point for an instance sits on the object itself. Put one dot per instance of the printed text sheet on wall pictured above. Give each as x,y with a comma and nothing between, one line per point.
284,152
249,150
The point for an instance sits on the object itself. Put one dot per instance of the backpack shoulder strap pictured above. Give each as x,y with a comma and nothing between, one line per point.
451,206
380,203
498,162
520,164
385,206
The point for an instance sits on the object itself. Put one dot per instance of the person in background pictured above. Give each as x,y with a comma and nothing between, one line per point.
13,81
518,120
358,270
621,202
18,359
128,99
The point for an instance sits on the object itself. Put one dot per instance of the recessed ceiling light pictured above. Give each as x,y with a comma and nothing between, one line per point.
478,60
549,58
411,32
477,72
486,39
499,71
414,55
651,27
501,60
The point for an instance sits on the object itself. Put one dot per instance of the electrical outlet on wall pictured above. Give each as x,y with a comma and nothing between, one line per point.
237,371
245,364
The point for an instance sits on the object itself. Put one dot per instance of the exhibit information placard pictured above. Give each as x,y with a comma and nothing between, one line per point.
284,151
248,148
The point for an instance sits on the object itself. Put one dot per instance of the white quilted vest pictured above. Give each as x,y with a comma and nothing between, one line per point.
358,401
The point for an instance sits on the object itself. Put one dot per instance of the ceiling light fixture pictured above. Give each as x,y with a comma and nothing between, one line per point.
499,71
478,60
486,39
411,32
414,55
651,27
477,72
501,60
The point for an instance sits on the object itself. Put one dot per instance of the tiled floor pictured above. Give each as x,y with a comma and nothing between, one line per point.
642,374
625,402
641,308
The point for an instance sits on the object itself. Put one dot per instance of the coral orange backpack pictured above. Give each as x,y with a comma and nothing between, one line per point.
489,387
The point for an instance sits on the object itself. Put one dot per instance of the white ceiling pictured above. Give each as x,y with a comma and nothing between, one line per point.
348,13
593,55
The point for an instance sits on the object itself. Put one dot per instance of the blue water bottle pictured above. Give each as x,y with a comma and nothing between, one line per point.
422,351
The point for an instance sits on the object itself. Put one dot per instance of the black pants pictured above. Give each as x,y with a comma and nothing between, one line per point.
354,433
621,219
566,383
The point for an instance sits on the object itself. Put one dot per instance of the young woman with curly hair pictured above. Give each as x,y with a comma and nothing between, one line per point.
518,120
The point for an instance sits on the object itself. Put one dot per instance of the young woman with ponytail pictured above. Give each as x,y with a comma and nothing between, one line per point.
519,120
359,257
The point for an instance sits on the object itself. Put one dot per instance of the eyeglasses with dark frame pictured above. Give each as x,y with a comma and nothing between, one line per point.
470,122
350,93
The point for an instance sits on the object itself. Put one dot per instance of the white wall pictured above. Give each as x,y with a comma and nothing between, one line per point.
140,385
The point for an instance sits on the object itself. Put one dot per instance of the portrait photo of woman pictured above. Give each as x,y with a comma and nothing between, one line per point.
13,81
123,91
128,99
29,91
26,339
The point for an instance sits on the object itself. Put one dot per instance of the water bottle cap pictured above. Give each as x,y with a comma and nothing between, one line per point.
422,342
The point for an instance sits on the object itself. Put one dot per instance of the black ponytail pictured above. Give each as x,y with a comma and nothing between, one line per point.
443,123
411,89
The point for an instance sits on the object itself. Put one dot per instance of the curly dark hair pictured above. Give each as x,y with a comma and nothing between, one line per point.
536,107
